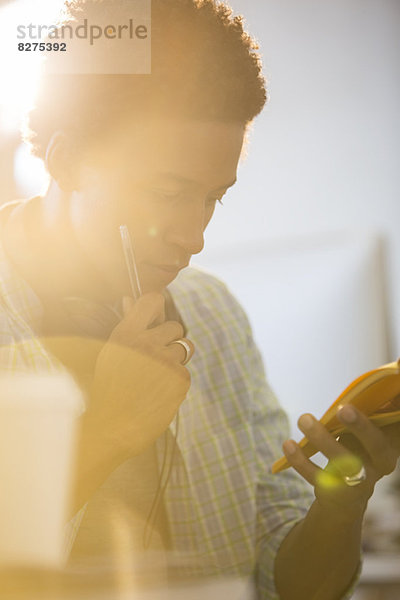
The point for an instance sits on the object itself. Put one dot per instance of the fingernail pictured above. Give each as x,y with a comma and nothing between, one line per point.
290,447
127,303
306,422
347,414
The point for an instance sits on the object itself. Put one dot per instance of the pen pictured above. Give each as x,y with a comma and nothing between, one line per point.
130,261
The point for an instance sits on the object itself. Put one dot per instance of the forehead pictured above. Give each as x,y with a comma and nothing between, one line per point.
206,152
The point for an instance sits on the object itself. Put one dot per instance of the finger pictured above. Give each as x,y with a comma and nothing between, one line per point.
140,316
322,479
341,459
162,335
392,433
127,304
378,446
178,353
294,455
148,308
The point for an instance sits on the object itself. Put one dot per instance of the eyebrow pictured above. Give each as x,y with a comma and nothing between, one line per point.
187,181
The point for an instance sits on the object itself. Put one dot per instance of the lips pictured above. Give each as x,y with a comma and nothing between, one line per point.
170,268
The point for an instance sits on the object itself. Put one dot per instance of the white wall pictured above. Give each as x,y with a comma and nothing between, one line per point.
324,155
317,307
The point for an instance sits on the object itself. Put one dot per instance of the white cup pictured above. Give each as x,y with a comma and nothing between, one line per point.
38,426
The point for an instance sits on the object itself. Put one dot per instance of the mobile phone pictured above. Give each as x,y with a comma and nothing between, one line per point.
130,262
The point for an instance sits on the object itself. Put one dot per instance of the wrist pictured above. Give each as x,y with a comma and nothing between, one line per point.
95,461
96,451
338,515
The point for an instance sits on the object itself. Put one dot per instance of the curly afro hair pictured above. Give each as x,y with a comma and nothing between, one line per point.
204,66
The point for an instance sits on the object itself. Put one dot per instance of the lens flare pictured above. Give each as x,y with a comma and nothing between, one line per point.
19,72
332,476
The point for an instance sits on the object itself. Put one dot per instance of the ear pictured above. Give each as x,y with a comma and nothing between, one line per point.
61,162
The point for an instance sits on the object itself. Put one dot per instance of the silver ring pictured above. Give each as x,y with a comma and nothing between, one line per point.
352,480
187,349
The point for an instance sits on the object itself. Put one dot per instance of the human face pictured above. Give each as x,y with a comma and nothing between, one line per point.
162,178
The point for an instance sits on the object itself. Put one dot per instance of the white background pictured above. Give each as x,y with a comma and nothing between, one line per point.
324,154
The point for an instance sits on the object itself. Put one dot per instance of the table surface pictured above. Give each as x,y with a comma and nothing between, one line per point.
52,585
34,584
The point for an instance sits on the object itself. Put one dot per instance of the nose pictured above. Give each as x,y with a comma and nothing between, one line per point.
187,228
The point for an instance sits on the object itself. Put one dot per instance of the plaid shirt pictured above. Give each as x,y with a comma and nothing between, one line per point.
226,513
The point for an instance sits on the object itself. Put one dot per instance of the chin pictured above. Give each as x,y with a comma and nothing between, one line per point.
156,280
157,288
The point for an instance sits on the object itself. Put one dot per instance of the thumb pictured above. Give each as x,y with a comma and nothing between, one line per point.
147,311
127,304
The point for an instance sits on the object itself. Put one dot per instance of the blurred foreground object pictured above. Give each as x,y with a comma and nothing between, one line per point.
66,585
38,418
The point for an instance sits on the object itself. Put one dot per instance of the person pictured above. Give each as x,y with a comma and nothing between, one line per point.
173,455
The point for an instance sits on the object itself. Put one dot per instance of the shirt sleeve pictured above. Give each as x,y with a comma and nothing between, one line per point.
282,499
